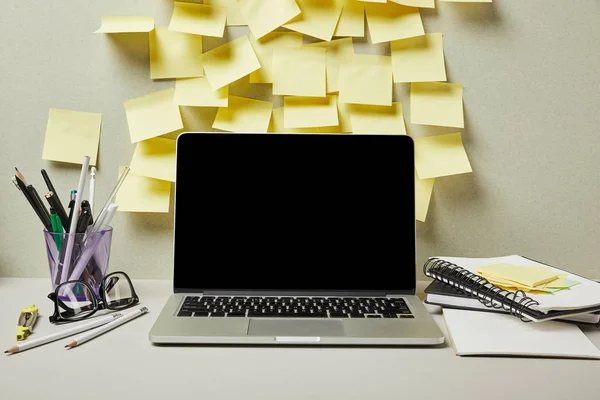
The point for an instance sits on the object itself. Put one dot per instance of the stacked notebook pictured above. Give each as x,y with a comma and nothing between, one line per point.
544,296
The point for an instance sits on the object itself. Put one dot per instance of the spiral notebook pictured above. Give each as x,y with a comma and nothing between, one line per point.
461,273
475,333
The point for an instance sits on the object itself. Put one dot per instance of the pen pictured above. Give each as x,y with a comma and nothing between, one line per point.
55,203
56,228
49,183
70,207
84,218
21,186
38,201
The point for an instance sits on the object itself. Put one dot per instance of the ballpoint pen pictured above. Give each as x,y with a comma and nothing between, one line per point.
55,203
49,183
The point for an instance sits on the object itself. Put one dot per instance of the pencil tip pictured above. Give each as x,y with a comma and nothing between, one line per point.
5,351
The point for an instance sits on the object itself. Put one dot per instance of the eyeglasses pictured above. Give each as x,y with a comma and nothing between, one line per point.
76,300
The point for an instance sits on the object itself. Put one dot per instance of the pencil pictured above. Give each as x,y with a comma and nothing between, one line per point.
105,328
96,322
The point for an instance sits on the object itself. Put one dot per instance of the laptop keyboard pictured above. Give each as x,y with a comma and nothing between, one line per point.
294,307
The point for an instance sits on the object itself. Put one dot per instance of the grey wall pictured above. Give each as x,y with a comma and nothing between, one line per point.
532,95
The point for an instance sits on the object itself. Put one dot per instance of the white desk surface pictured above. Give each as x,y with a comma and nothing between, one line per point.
124,364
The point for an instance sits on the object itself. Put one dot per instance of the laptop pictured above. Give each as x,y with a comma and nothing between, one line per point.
294,239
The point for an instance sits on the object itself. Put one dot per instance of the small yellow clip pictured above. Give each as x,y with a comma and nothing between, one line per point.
26,321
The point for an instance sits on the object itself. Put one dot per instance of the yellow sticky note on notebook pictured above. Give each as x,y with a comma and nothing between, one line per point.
527,275
423,191
378,119
174,54
234,16
264,48
338,51
441,155
196,92
153,115
229,62
72,135
277,124
244,115
391,21
125,24
318,18
419,59
299,71
352,19
264,16
155,158
198,19
143,194
366,79
310,112
437,103
416,3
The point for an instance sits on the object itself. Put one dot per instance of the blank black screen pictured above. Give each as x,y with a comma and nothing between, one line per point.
294,212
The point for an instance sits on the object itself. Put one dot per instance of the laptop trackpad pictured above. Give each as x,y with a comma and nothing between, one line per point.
295,328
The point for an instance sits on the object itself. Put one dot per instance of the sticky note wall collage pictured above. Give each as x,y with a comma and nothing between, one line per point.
303,52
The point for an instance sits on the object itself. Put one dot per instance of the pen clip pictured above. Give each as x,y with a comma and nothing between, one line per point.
14,180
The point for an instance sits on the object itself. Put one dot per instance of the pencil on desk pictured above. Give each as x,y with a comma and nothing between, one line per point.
96,322
107,327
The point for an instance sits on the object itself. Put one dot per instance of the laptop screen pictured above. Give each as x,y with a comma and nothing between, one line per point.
294,212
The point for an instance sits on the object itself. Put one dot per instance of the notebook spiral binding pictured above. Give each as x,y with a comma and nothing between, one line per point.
487,293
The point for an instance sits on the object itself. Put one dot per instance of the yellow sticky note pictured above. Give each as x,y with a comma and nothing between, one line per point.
437,103
244,115
143,194
391,21
155,158
318,19
310,112
174,54
378,119
125,24
373,1
344,124
196,92
264,16
352,19
152,115
441,155
419,59
229,62
423,191
264,48
277,124
466,1
416,3
234,16
527,275
366,79
198,19
72,135
338,51
561,283
299,71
